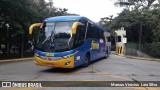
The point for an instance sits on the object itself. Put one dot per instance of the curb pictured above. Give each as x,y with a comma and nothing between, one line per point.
140,58
14,60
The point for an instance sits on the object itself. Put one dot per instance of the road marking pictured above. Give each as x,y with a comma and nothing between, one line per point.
44,79
116,76
112,75
72,83
87,80
144,88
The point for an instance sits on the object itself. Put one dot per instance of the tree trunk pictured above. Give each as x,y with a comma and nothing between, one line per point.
22,47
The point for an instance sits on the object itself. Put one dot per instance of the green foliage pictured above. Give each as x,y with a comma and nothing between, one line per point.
131,20
137,14
155,49
135,3
19,15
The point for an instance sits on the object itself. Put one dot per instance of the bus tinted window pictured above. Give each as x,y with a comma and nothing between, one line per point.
84,22
96,33
101,35
79,38
90,33
93,32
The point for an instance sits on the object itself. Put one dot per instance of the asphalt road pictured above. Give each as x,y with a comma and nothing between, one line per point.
115,68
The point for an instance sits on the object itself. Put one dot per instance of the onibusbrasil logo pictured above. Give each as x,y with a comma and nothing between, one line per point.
21,84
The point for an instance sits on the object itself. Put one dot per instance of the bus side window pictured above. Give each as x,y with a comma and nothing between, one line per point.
101,34
96,33
90,31
84,22
80,33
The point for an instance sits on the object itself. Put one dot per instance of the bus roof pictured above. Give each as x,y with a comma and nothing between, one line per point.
64,18
71,18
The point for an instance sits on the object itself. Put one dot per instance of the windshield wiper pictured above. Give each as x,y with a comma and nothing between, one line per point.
47,39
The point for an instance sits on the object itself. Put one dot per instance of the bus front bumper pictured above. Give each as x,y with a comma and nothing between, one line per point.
62,63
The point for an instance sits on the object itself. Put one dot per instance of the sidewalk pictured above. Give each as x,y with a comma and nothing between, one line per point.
18,59
135,57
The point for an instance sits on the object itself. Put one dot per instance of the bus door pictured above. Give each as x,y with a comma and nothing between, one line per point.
107,42
91,37
102,43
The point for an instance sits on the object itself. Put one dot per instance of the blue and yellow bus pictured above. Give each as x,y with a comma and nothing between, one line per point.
69,41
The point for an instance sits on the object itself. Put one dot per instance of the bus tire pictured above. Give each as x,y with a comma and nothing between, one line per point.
87,61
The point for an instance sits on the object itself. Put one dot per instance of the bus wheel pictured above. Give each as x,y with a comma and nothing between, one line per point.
87,61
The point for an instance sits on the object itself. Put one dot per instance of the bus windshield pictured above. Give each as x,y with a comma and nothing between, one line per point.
55,36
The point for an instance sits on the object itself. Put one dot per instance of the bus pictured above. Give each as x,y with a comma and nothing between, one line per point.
69,42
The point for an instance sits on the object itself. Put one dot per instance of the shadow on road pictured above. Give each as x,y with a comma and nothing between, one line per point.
60,70
65,71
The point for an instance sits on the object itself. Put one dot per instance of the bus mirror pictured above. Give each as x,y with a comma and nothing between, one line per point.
32,26
74,27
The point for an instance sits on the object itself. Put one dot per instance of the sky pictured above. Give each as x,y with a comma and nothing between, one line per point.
92,9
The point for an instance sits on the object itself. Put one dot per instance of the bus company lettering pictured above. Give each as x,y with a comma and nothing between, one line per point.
49,54
95,45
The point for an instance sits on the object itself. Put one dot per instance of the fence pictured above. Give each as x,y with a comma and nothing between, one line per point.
143,50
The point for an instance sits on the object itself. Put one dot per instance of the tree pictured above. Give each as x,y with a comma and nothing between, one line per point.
131,20
135,3
19,15
106,21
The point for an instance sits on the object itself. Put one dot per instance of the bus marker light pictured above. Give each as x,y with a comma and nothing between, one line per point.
78,58
49,59
49,65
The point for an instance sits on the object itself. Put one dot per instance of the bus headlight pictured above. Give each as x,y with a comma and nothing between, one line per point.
67,56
